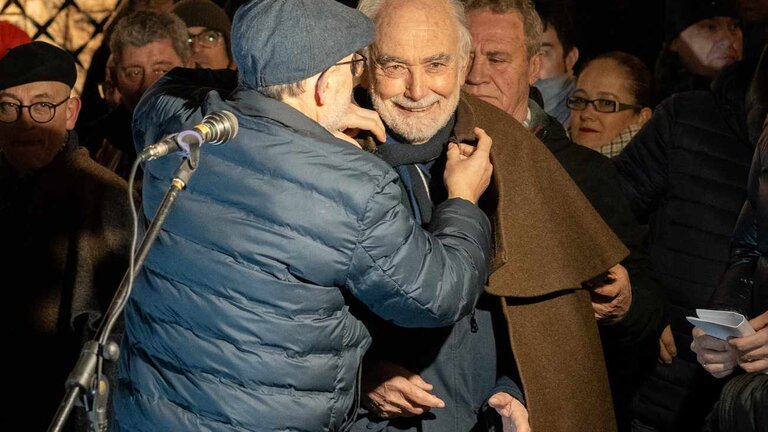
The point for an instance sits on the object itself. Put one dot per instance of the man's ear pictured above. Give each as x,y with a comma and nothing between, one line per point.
534,71
323,87
73,110
571,59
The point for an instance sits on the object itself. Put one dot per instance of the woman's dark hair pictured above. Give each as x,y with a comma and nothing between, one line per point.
638,76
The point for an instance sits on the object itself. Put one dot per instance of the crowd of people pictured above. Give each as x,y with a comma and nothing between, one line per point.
437,215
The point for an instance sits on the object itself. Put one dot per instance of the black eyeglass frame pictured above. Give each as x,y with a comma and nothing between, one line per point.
19,107
618,105
352,64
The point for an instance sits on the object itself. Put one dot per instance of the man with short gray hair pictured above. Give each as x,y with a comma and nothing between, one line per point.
145,45
242,317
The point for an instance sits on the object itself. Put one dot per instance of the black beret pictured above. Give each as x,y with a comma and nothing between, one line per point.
34,62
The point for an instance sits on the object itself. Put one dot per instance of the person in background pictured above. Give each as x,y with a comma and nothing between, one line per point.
65,231
744,288
685,175
701,38
559,55
94,106
611,102
144,45
630,338
208,28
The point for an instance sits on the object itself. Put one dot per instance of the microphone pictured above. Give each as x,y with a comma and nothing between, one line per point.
215,128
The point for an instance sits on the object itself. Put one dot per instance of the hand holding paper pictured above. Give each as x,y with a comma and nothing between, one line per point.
753,350
721,324
724,340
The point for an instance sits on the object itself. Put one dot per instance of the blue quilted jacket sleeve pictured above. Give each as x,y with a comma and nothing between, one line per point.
423,279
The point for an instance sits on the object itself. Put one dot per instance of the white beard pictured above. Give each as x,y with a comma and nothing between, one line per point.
416,129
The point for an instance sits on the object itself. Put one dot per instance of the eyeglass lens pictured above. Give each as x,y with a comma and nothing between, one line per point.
41,112
600,105
207,38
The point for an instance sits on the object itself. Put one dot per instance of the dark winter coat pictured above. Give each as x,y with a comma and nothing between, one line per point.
684,174
65,235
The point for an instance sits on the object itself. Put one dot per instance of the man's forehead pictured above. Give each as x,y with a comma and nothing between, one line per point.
506,29
416,33
38,89
156,52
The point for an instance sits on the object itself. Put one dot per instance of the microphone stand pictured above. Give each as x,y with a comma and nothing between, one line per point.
83,379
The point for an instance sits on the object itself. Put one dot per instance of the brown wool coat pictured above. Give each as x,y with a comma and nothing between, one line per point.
547,241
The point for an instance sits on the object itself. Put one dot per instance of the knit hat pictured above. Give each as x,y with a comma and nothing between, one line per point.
11,37
203,13
681,14
287,41
36,61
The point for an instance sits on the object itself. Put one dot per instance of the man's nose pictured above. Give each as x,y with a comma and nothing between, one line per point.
417,87
478,71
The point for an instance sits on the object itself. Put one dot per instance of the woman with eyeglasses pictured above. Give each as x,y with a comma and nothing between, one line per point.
611,102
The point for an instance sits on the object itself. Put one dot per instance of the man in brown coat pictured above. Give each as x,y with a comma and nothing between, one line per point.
548,242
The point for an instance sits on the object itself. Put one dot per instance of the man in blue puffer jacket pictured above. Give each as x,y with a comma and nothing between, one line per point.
243,323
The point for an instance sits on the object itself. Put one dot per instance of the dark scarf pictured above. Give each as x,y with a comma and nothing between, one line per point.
412,161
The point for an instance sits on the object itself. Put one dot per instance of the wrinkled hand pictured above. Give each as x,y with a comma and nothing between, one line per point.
667,348
514,415
357,119
390,391
612,298
752,351
715,355
468,169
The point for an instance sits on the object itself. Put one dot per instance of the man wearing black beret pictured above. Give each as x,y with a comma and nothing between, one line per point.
64,229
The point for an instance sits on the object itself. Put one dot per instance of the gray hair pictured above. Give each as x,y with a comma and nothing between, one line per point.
282,91
144,27
532,26
372,8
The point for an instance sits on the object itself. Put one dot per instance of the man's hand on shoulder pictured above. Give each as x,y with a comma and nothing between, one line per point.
468,169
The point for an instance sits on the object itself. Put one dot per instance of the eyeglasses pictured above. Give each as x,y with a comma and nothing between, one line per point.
40,112
601,105
357,65
206,38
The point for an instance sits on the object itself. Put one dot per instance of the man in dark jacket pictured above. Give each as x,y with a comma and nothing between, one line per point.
64,225
684,174
744,288
467,370
513,35
243,321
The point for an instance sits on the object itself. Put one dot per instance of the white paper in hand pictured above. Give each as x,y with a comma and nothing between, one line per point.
722,324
